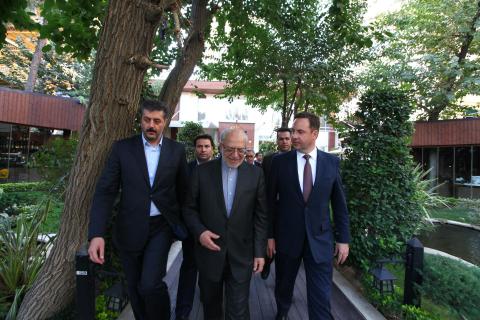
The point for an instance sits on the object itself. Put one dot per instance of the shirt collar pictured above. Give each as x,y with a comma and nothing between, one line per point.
147,144
313,154
225,165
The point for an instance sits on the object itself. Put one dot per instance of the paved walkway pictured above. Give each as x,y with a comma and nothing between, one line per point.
262,301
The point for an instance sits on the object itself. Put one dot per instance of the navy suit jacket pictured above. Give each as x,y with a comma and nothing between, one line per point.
293,221
126,171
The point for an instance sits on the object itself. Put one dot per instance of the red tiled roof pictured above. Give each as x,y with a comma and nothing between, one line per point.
206,87
40,110
447,133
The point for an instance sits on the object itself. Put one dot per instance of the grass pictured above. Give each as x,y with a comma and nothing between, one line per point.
457,213
24,199
438,311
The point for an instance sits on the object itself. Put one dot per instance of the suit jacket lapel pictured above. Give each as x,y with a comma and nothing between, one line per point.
318,173
139,154
294,174
241,176
165,151
218,185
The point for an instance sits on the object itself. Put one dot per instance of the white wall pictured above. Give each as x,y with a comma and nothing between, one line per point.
210,111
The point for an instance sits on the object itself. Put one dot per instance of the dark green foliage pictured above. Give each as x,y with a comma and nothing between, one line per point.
12,202
379,179
452,283
436,58
55,159
14,11
289,55
267,147
186,135
24,186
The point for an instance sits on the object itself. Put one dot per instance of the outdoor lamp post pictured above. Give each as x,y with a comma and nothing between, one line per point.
116,297
383,280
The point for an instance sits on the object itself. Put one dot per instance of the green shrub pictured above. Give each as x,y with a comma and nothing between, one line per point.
55,159
187,134
453,284
13,201
101,311
414,313
267,147
24,186
379,178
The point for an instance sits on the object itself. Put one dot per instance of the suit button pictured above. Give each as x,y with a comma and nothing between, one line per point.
151,196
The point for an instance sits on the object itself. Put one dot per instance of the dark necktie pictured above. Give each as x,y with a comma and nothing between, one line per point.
307,178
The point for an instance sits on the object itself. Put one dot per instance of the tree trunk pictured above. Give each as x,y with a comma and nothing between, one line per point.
34,65
129,30
192,52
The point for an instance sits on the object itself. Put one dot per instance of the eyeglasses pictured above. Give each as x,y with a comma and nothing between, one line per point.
230,150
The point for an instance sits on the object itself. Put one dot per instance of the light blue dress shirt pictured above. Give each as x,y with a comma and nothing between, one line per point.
229,181
152,155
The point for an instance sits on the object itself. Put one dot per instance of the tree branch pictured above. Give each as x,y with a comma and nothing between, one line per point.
142,62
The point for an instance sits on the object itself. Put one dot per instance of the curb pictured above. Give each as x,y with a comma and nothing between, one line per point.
455,223
358,301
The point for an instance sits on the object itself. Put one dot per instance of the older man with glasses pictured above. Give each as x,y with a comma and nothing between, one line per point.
226,211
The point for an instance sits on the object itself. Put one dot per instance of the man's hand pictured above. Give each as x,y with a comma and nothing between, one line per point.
258,264
206,239
271,248
341,252
96,250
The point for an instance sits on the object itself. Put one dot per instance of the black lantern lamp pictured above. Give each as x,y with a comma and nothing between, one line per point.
116,297
383,280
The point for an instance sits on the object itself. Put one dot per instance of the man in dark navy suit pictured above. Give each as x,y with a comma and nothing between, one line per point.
284,144
187,281
150,172
303,185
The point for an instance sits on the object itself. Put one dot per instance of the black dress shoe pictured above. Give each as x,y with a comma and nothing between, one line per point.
281,317
266,268
181,318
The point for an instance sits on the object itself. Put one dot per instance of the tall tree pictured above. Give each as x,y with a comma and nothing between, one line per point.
14,11
434,51
122,59
292,55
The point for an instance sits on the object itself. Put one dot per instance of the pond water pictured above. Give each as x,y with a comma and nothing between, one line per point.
457,241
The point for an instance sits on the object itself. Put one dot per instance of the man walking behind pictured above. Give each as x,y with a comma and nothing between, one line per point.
187,281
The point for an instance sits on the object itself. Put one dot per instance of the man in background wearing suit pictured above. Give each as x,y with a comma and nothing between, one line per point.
150,171
284,144
302,186
187,281
226,212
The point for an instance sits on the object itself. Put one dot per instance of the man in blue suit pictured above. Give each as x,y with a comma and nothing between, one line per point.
149,171
303,185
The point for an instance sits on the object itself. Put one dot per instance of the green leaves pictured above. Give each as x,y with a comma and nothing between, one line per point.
429,52
378,177
288,54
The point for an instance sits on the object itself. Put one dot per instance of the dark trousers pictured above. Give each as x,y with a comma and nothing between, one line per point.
145,270
236,296
187,281
319,284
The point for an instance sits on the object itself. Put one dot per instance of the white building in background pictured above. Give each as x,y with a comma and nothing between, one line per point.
199,103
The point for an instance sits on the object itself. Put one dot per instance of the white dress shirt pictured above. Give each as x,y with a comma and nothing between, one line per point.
152,155
301,166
